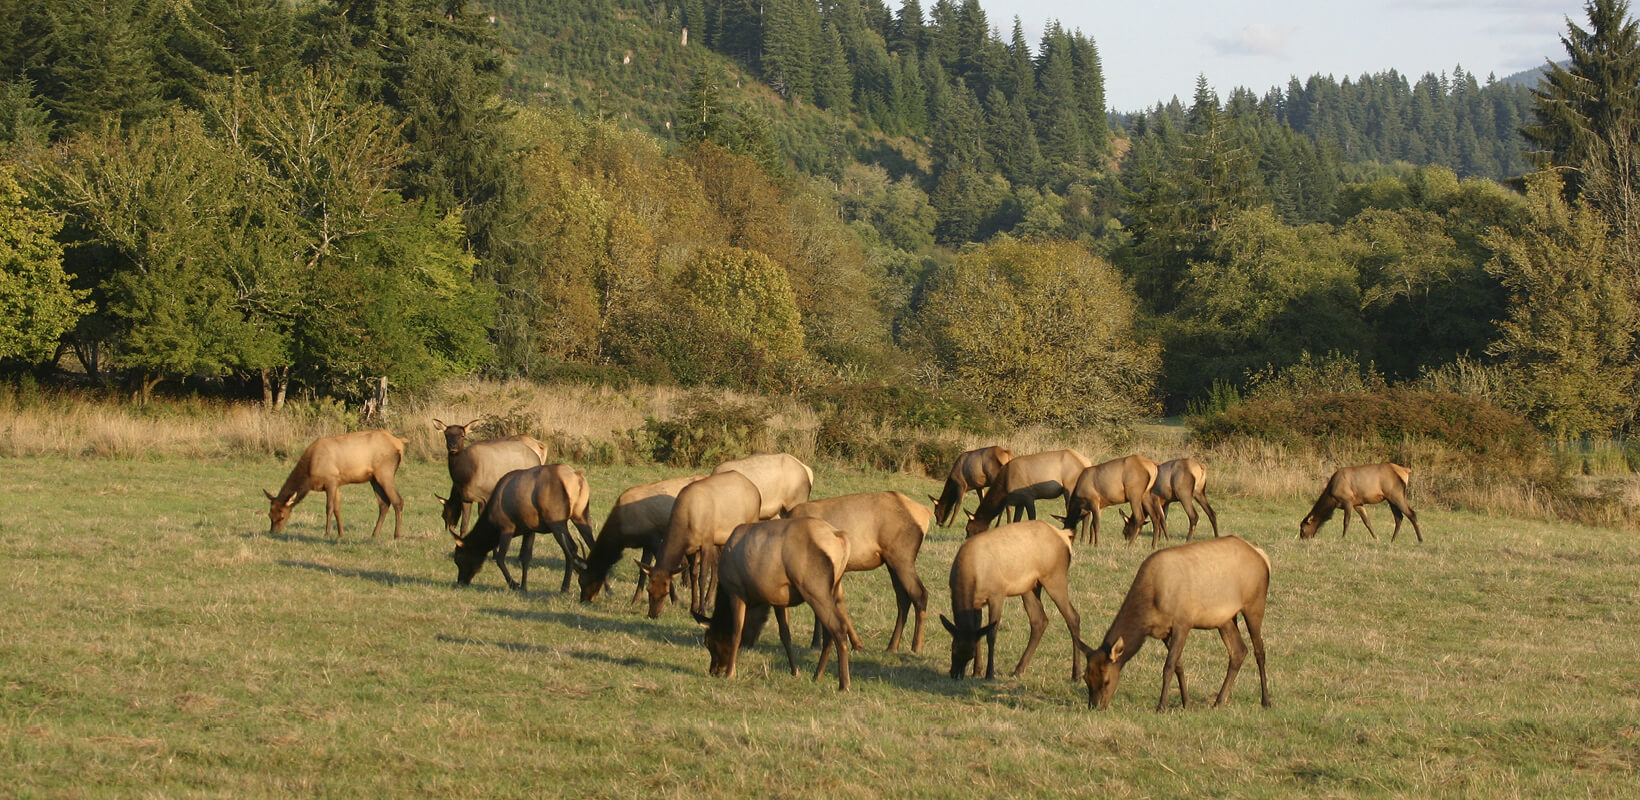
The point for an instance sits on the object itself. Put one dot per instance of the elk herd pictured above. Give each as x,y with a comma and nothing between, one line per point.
748,541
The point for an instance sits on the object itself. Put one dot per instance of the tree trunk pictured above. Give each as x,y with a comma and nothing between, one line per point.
267,388
282,384
146,387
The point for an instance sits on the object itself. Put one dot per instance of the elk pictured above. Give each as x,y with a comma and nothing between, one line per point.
1201,585
332,462
882,528
1025,480
781,480
526,502
1354,488
705,513
1022,559
1184,481
1120,480
475,469
638,519
778,564
972,471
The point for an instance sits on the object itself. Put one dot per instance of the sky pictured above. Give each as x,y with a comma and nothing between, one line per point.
1153,51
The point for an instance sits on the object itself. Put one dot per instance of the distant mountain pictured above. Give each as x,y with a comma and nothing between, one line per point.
1528,78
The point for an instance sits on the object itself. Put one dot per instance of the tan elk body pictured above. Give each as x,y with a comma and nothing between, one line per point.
475,469
705,513
1201,585
638,519
782,481
775,565
1184,481
1120,480
525,502
971,472
1020,559
332,462
883,528
1025,480
1354,488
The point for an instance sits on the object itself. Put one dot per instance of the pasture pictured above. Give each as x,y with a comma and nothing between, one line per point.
155,641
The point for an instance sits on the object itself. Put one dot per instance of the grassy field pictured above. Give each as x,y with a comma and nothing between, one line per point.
156,642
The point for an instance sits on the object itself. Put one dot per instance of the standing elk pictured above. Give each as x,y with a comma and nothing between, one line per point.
882,528
1354,488
1022,559
1202,585
335,461
1184,481
1121,480
1025,480
638,519
525,502
778,564
705,513
781,480
972,471
475,469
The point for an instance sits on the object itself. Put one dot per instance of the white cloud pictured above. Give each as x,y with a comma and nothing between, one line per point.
1258,39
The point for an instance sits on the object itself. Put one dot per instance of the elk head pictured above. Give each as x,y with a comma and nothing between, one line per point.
975,525
455,436
1131,526
450,512
965,640
660,587
469,558
278,511
1104,668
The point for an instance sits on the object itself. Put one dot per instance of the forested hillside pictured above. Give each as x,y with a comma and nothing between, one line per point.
795,196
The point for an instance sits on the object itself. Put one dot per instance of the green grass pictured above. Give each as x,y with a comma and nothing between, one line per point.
154,641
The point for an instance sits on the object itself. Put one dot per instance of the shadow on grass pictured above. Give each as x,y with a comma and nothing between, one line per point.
638,627
373,575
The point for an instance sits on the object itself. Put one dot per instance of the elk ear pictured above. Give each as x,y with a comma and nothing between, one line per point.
1086,650
1124,514
705,621
460,542
989,629
1059,517
969,513
441,501
438,424
291,501
1117,649
473,424
935,499
643,569
271,498
951,629
579,563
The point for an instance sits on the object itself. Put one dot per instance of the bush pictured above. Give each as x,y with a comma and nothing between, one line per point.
902,405
709,431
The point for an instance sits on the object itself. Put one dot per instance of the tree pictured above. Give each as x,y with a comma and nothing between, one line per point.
1040,332
1568,342
37,305
737,317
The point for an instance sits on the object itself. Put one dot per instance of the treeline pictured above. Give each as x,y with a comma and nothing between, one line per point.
319,193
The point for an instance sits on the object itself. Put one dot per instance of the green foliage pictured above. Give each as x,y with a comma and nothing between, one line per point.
707,430
1040,332
37,305
902,405
1569,339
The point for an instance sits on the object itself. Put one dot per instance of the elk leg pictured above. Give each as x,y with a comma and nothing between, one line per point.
737,624
1201,497
1059,592
834,617
1039,623
1238,653
909,590
526,552
1158,517
501,548
382,504
1362,510
560,531
1189,513
1093,525
995,612
1254,617
387,492
1175,649
781,620
333,508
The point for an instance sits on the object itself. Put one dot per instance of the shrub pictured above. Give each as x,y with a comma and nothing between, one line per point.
709,430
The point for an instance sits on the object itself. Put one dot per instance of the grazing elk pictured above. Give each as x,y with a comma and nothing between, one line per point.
1121,480
1184,481
781,480
525,502
1201,585
475,469
705,513
972,471
882,528
778,564
1022,559
638,519
1354,488
335,461
1025,480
